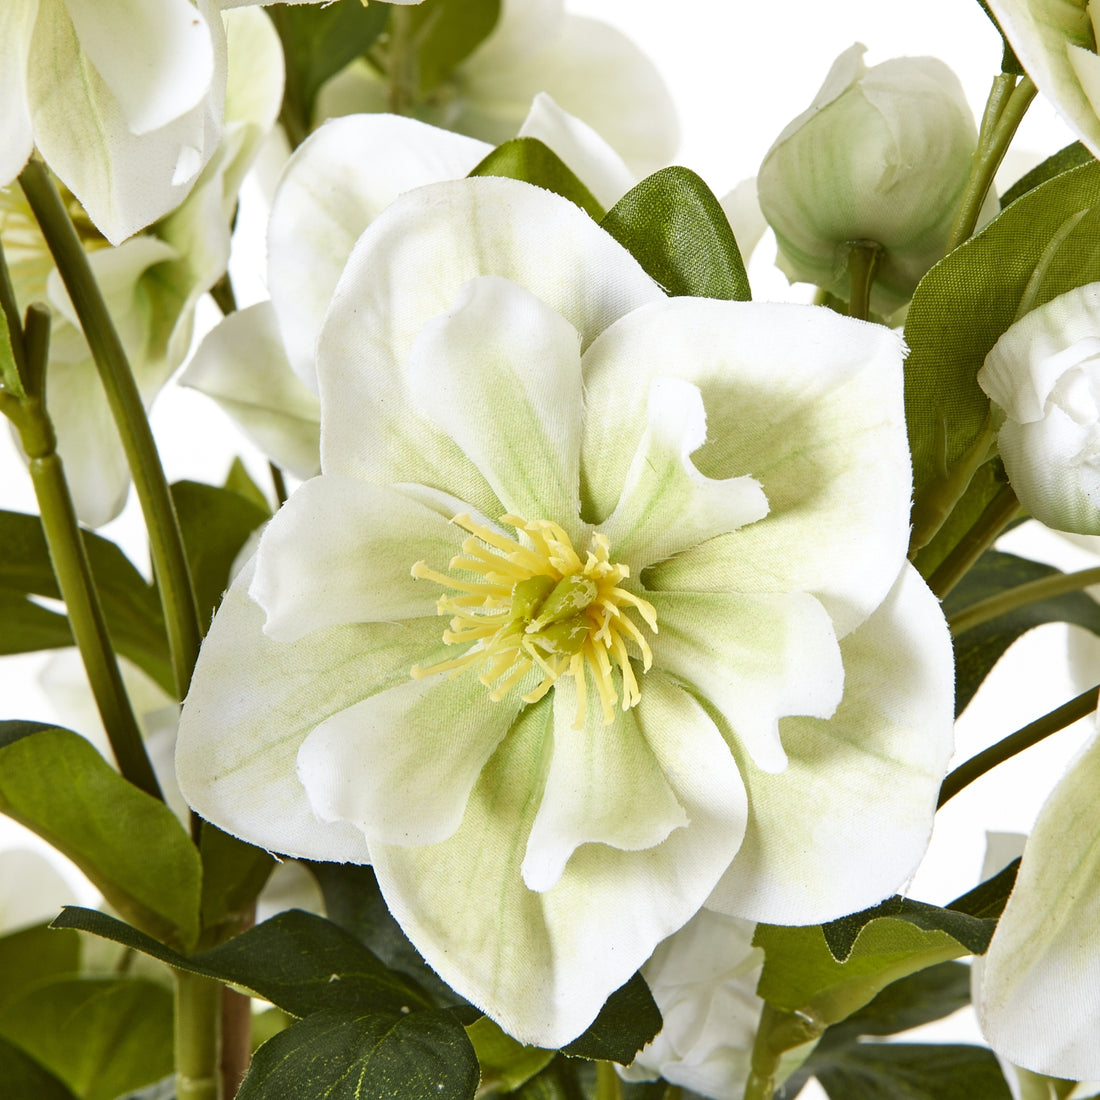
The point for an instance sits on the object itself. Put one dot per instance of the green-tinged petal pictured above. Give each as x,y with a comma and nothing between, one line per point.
591,159
336,183
500,374
241,364
604,786
806,402
754,658
253,701
847,822
16,135
1037,997
155,56
341,551
1049,37
409,267
542,964
123,180
390,766
666,504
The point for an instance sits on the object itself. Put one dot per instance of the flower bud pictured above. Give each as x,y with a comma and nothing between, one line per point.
1044,372
881,155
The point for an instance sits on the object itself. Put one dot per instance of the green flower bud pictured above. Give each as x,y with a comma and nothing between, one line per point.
881,155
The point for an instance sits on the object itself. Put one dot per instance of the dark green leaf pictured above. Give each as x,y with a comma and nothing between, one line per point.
101,1036
445,33
913,1071
1072,156
988,898
239,481
529,160
32,955
366,1056
1040,246
298,961
233,874
676,229
22,1078
215,524
54,782
978,650
628,1021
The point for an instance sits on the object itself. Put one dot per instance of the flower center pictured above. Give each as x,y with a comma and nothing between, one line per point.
537,603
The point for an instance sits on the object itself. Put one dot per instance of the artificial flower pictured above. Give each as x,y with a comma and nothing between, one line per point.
686,661
150,283
1044,372
1055,41
594,71
881,155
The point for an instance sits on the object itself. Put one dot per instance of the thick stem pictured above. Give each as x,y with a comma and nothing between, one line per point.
236,1040
863,261
401,69
1078,707
608,1086
198,1008
165,541
1043,589
996,515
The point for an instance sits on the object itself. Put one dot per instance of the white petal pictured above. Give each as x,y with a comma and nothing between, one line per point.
847,822
16,136
755,658
341,551
336,183
241,364
542,964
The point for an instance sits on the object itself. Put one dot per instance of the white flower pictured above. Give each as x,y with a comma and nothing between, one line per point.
686,661
881,155
589,67
1044,372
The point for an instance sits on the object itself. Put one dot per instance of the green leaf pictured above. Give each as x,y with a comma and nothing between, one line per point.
505,1063
26,626
529,160
215,524
298,961
629,1019
128,843
366,1056
989,898
233,874
22,1078
101,1036
32,955
130,604
676,229
1072,156
239,481
977,650
1041,246
445,33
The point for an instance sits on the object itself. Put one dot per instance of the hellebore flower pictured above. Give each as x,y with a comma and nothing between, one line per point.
1044,372
682,659
881,155
150,283
1055,41
591,69
1037,997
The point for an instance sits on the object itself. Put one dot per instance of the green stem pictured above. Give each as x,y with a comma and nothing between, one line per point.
608,1086
1043,589
402,63
997,513
674,1092
863,261
1005,108
197,1022
778,1032
1079,707
166,543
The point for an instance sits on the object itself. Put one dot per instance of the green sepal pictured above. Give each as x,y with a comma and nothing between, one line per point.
505,1063
1039,247
103,1037
529,160
365,1056
676,229
23,1078
32,955
444,33
129,844
1071,156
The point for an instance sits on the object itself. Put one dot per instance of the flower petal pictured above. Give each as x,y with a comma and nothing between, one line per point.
807,402
1037,998
341,551
16,135
236,764
667,505
336,183
241,364
542,964
847,822
392,768
754,658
